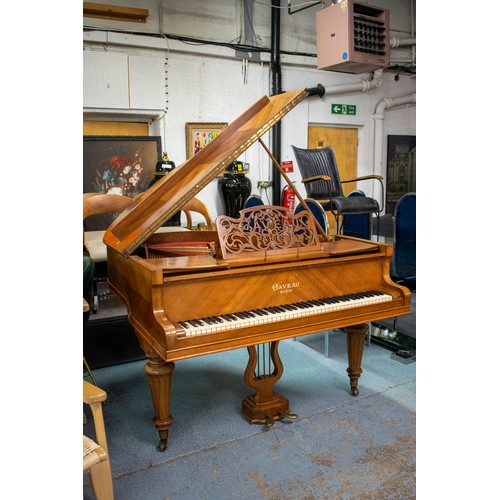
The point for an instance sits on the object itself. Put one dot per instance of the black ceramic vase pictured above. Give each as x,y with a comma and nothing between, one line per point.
236,188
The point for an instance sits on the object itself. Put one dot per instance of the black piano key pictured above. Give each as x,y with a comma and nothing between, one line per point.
301,305
260,312
209,321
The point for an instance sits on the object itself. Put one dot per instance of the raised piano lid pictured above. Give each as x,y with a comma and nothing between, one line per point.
170,194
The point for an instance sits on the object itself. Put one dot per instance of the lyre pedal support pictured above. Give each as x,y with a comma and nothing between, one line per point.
264,369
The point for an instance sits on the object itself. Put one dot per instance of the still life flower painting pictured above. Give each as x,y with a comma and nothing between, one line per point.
123,165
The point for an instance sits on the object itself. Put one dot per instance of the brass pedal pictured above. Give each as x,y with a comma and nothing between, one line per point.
269,421
291,416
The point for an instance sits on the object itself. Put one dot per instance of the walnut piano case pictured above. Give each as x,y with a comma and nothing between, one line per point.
195,296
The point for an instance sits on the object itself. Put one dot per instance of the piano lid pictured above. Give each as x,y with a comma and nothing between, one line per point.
167,196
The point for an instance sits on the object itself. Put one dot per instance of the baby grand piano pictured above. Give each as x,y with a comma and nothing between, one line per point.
258,279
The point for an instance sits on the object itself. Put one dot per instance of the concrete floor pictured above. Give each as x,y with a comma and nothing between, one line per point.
340,446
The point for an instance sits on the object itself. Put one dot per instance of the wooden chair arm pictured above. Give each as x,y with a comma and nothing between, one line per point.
93,394
317,178
98,203
189,220
196,205
363,178
94,397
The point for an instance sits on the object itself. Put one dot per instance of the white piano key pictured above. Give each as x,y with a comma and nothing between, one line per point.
247,319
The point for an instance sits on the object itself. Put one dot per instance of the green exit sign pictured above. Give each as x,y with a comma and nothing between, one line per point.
343,109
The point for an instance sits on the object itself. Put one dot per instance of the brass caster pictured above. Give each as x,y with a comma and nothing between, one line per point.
354,391
162,445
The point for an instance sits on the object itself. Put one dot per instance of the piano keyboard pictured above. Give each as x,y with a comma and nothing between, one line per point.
245,319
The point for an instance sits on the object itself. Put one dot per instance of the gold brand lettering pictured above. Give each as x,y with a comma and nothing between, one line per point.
285,287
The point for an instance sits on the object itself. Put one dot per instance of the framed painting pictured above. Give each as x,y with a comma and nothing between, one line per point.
401,168
198,135
123,165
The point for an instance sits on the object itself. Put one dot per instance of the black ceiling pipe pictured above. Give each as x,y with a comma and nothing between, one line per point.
318,90
276,89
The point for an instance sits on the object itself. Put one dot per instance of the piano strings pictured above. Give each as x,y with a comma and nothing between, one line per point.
263,356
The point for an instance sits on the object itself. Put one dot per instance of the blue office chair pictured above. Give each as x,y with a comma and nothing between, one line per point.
254,200
318,212
404,259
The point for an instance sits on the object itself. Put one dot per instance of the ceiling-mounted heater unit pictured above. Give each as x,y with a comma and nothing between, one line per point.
352,37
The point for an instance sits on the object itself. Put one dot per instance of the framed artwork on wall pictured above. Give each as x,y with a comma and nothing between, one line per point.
198,135
401,168
123,165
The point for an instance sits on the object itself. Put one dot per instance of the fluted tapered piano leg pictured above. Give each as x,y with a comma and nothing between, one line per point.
355,344
159,374
265,406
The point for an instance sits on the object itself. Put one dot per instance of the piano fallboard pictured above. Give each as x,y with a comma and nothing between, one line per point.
162,293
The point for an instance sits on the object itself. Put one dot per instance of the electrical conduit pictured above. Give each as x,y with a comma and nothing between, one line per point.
383,105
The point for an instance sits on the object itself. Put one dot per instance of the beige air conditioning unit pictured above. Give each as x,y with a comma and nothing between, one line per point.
352,37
